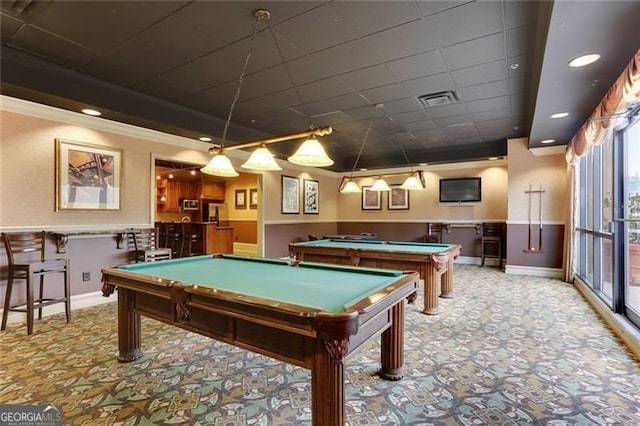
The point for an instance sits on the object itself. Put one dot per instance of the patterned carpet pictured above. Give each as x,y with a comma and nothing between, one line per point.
506,350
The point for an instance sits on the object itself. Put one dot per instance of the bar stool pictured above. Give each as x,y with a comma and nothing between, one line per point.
492,234
434,233
191,240
144,243
27,261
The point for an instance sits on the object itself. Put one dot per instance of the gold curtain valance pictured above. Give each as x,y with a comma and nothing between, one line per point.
623,93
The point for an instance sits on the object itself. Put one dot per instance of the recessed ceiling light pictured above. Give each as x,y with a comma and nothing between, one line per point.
560,115
205,139
170,175
514,66
583,60
493,158
423,164
546,141
90,111
158,177
363,170
193,172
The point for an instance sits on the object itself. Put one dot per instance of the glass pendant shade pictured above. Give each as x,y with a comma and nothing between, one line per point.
412,183
312,154
220,165
350,187
261,159
379,185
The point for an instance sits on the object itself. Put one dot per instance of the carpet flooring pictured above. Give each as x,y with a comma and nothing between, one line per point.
506,350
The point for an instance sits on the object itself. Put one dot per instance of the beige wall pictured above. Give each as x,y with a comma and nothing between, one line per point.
425,205
548,172
245,181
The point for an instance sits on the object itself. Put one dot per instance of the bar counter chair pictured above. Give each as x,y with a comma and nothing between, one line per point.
434,233
27,261
145,246
492,234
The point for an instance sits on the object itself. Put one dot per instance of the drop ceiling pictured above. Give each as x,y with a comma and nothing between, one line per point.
173,66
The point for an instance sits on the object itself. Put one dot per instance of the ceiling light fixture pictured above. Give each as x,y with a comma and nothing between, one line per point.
560,115
514,66
348,185
493,158
546,141
310,153
205,138
380,185
584,60
92,112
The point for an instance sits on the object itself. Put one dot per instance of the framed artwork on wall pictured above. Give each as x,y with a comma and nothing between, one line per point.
241,198
290,195
311,196
398,198
253,198
88,177
371,200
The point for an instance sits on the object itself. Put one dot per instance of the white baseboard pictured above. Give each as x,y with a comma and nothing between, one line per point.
78,301
535,271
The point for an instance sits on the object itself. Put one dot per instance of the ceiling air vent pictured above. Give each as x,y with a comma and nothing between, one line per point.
438,99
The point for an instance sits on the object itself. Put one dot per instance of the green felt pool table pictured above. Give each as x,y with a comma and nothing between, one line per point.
311,315
434,262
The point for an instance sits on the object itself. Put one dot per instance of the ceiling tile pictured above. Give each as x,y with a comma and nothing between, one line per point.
261,83
479,74
366,78
368,17
411,117
520,41
446,110
8,26
318,30
420,125
503,123
524,66
339,103
519,13
489,104
402,105
445,122
401,41
321,89
429,7
483,91
430,84
51,47
385,93
101,26
490,115
518,85
424,64
469,21
263,104
307,69
346,57
478,51
209,99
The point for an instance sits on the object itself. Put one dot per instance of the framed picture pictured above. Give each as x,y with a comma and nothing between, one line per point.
398,198
88,177
290,195
371,199
253,198
311,196
241,198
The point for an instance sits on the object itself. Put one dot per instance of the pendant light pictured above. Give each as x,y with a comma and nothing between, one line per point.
220,165
349,186
310,153
380,185
262,160
412,183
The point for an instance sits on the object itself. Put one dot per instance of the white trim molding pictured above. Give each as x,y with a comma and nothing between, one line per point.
294,222
79,301
619,324
536,223
535,271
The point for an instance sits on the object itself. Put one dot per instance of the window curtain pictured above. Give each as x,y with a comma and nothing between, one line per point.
624,92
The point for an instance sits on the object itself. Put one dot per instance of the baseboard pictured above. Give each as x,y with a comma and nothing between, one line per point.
469,260
78,301
618,324
535,271
245,249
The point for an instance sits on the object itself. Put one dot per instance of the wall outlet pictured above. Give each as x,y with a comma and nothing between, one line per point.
86,276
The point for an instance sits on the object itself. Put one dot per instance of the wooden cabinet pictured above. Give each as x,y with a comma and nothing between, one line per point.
169,192
213,190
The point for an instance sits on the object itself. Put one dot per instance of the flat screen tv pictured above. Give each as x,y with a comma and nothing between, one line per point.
461,190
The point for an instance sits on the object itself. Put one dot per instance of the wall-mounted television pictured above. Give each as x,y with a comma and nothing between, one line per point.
461,190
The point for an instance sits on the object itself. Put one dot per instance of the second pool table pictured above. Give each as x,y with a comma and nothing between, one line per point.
434,262
311,315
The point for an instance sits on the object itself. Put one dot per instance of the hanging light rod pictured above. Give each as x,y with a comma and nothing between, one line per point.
320,131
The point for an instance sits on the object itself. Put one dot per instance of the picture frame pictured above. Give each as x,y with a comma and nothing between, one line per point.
398,198
88,177
290,195
371,200
311,196
253,198
241,198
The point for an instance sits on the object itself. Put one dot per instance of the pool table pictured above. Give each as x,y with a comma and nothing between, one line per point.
434,262
311,315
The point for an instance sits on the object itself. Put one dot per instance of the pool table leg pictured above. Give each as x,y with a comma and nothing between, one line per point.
327,382
392,351
128,327
431,287
447,281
